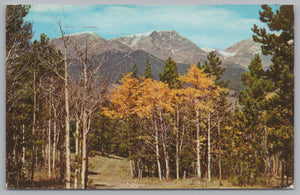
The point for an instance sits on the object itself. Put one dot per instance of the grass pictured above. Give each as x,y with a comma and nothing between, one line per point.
113,172
108,171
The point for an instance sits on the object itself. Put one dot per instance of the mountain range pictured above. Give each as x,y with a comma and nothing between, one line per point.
116,56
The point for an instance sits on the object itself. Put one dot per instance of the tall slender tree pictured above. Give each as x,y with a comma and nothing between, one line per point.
18,90
134,71
278,42
252,101
200,89
91,98
153,103
212,66
67,109
170,76
148,73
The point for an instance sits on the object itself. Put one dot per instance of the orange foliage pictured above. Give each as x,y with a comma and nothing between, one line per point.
124,98
154,96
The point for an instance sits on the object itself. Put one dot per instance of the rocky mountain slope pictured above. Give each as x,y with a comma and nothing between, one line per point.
244,52
166,44
117,56
111,56
92,41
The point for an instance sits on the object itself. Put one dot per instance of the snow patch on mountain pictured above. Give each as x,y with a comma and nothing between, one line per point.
138,37
141,34
225,53
221,52
81,33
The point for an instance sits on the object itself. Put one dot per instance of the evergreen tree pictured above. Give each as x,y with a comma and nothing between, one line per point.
170,74
134,71
44,84
253,116
18,32
212,66
18,92
147,72
279,42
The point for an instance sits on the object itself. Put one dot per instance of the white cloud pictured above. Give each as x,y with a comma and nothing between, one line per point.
42,8
208,23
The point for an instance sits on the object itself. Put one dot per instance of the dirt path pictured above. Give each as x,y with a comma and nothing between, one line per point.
111,172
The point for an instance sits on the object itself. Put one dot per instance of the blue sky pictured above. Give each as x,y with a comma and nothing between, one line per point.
214,26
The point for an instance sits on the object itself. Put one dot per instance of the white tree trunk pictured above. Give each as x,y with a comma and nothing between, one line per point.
67,119
49,149
54,141
140,173
36,157
130,165
67,135
85,128
33,126
209,148
177,158
198,145
157,152
23,150
84,151
14,149
220,156
166,155
166,160
77,137
76,153
49,134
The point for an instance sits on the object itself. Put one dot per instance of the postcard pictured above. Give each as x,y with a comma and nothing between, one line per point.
149,96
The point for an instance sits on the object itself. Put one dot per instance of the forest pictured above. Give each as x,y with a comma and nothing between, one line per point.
177,128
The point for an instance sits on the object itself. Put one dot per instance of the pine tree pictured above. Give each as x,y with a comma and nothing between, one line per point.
134,71
252,101
279,43
147,73
170,74
18,92
212,66
45,83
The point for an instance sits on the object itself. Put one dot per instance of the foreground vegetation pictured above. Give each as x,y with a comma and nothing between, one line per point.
179,132
113,172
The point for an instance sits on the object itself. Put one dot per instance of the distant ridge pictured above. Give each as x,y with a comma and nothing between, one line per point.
117,56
